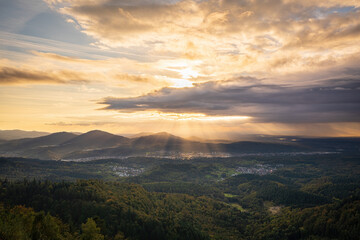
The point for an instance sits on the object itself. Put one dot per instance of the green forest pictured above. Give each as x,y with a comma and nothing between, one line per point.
255,197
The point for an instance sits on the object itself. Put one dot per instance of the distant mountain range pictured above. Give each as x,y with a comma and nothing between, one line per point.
18,134
100,144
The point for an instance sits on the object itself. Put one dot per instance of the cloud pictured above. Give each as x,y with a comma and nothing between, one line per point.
52,68
84,124
139,78
334,100
302,59
58,57
283,22
11,75
229,37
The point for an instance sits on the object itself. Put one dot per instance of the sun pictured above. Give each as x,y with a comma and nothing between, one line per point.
185,70
188,73
181,83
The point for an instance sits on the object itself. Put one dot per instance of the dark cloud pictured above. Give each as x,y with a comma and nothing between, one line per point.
335,100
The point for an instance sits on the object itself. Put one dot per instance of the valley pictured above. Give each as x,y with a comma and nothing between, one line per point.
235,194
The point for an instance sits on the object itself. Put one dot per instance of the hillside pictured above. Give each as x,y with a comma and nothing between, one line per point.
128,210
54,139
19,134
100,144
94,140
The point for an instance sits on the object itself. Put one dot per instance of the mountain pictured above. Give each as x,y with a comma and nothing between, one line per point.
45,141
137,135
263,147
340,144
58,145
141,145
158,144
161,138
203,140
96,139
40,147
19,134
170,143
99,144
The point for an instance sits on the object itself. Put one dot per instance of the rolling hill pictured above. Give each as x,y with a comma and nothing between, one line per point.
29,143
100,144
94,140
19,134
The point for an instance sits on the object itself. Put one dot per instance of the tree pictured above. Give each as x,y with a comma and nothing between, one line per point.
90,231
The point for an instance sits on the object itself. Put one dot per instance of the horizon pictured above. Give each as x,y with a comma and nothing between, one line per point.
208,69
234,138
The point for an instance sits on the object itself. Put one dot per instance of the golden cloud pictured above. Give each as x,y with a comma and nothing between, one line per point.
11,75
229,37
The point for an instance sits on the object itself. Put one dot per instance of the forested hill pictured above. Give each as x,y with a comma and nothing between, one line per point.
121,211
98,210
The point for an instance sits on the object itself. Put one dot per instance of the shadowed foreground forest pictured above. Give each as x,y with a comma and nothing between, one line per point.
255,197
91,209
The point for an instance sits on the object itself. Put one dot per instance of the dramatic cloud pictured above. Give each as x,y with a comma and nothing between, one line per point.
263,25
284,64
225,38
336,100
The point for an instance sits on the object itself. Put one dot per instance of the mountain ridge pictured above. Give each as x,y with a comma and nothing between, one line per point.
97,143
19,134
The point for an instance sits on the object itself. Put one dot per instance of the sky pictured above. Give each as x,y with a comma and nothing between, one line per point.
205,68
